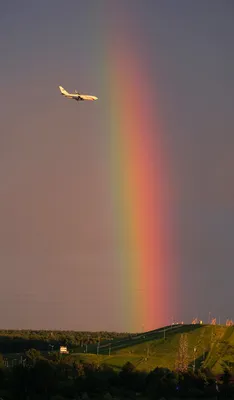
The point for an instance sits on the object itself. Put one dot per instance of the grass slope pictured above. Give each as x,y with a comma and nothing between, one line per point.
210,346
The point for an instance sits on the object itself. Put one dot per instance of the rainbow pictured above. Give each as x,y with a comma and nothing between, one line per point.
140,182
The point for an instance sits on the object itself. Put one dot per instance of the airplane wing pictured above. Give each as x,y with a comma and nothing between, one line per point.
87,97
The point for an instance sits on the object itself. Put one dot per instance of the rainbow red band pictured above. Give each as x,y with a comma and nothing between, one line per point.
138,175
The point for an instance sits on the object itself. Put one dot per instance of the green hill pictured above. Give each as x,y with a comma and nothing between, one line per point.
209,346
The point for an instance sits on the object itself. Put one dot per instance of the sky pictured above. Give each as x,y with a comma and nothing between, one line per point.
58,266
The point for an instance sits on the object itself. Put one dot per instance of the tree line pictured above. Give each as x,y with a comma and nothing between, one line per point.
18,341
61,377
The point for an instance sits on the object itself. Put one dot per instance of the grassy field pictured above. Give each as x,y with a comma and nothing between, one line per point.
210,346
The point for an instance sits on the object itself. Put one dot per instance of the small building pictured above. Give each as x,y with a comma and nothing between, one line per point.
63,350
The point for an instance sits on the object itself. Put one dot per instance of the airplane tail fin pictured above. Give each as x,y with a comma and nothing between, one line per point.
62,90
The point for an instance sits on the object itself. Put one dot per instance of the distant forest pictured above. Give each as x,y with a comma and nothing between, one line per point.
18,341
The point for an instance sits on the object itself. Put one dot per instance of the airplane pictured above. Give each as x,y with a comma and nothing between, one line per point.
76,96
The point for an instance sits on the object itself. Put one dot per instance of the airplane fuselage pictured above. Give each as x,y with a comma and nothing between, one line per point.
76,96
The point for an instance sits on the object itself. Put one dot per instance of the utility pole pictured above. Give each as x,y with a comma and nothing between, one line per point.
209,318
203,352
194,359
164,333
109,349
182,360
98,345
